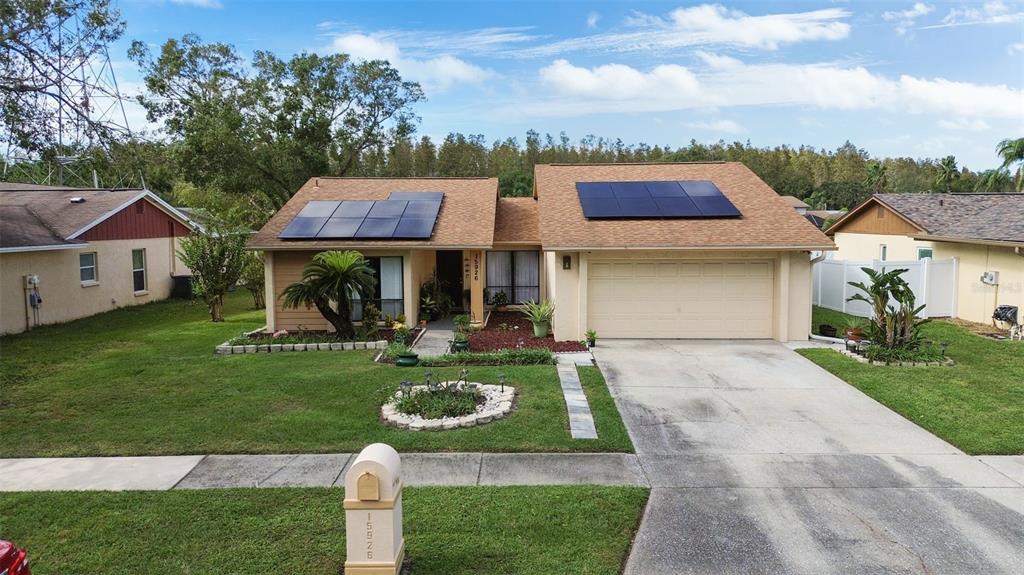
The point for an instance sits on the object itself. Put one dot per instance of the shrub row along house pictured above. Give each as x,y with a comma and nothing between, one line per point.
66,253
671,250
984,232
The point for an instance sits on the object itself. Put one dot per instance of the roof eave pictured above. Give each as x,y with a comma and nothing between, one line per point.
46,248
977,241
776,248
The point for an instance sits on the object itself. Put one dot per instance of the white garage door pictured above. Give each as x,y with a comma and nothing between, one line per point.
680,298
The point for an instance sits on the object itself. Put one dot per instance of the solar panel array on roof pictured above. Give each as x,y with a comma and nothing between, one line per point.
403,216
651,200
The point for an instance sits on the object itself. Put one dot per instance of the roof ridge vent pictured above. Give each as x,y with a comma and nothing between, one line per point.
77,200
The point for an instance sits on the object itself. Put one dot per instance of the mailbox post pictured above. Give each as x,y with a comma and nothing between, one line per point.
373,512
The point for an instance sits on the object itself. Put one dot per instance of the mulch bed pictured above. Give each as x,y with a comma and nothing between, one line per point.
505,329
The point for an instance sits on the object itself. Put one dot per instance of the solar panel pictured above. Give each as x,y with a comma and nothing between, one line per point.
353,209
430,196
630,190
303,227
594,189
414,228
681,207
422,209
600,207
387,209
639,207
318,209
656,199
340,228
665,189
380,228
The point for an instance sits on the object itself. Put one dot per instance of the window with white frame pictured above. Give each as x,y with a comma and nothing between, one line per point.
139,270
388,294
924,253
883,251
87,267
515,273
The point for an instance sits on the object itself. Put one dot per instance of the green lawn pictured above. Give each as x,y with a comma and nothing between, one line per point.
463,530
145,381
836,319
977,405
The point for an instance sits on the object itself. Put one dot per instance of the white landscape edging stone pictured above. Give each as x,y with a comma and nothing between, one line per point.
497,404
945,363
226,349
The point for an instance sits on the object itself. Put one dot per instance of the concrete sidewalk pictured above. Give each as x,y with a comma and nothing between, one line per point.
313,470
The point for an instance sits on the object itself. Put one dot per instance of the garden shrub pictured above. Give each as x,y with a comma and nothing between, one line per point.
443,401
525,356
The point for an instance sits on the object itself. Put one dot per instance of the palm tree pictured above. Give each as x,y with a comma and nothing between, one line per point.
948,173
993,181
333,277
1012,152
877,177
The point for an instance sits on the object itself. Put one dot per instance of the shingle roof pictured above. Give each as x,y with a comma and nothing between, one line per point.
993,217
20,228
466,219
516,221
767,222
53,205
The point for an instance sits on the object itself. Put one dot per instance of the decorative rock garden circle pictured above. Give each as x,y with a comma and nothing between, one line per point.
496,405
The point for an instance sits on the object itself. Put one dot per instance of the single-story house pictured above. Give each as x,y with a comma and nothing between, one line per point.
76,252
984,232
665,250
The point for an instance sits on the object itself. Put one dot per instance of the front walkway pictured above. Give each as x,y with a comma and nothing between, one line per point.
436,339
313,470
762,462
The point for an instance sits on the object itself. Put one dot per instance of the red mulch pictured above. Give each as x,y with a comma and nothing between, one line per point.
492,338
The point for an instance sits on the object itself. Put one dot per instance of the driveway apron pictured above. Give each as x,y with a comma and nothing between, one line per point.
762,462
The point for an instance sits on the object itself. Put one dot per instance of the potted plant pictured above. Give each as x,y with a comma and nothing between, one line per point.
854,329
460,342
428,308
407,359
500,301
591,338
827,330
540,315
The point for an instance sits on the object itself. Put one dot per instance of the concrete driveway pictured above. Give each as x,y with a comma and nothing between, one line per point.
761,462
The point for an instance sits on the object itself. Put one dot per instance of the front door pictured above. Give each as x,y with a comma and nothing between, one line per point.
449,272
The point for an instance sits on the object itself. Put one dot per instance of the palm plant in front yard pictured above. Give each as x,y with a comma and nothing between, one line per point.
333,277
894,327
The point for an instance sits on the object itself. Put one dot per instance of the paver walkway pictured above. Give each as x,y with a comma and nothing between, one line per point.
313,470
435,340
581,421
762,462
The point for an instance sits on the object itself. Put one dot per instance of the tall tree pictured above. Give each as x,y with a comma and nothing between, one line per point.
877,177
261,134
994,181
1012,152
947,173
216,256
39,64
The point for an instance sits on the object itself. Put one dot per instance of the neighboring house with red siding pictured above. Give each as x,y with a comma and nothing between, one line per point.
67,253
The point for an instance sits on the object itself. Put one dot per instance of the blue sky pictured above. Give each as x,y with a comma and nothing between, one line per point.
921,79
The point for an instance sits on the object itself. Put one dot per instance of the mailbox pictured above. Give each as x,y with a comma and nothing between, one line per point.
373,512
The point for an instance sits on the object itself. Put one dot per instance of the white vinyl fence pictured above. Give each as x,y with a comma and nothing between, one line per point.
933,282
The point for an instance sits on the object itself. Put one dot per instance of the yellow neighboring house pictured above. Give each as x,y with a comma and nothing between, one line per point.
984,232
66,253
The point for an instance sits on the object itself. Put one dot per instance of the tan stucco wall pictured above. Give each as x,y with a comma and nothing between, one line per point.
64,296
976,301
286,269
567,288
855,247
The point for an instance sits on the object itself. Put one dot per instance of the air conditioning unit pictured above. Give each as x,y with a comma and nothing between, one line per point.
990,278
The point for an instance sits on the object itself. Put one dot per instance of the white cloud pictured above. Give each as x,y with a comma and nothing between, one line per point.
486,41
592,19
989,13
708,24
905,18
965,124
1015,48
731,83
439,72
620,82
199,3
724,126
